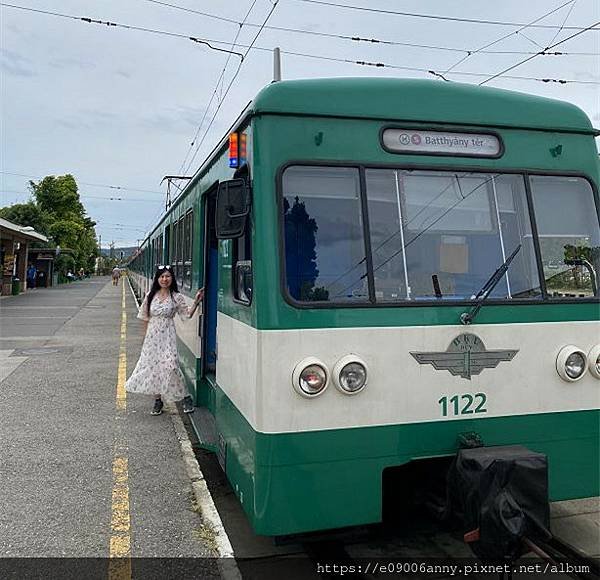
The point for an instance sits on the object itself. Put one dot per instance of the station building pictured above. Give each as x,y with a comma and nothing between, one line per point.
15,241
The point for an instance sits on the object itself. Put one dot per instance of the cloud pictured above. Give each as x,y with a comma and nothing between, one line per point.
71,63
90,119
178,119
14,64
586,76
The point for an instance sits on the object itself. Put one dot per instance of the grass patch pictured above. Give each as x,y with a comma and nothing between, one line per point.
206,534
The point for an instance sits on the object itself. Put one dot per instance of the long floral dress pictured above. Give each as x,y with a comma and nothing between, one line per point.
157,370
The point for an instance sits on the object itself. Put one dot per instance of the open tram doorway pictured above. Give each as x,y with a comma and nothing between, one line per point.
208,325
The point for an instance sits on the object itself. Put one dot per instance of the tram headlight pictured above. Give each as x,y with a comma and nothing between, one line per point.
310,377
350,375
575,365
594,361
571,363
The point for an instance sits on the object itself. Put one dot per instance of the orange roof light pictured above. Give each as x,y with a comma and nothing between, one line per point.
233,150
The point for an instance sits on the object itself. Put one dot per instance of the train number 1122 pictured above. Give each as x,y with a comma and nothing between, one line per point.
463,404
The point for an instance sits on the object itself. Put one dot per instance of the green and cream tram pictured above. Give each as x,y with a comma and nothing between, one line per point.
351,234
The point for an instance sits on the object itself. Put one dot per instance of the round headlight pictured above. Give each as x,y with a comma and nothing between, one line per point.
350,375
313,379
310,377
353,377
575,365
571,363
594,361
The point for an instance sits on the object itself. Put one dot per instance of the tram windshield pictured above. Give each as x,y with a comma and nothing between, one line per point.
433,235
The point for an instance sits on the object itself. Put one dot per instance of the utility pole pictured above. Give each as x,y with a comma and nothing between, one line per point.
276,64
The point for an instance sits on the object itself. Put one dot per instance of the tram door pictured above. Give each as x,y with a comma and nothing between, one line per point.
208,330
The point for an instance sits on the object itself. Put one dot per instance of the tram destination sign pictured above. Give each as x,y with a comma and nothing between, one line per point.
398,140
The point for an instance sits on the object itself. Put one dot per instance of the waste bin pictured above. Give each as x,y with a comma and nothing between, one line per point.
16,286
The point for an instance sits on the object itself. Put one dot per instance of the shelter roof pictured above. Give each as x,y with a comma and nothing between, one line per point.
26,232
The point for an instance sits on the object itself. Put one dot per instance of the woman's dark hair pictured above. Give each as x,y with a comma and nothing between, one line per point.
156,286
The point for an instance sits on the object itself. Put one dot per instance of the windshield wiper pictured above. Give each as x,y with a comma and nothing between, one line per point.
481,296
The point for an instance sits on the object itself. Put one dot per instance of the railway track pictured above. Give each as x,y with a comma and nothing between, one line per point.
570,561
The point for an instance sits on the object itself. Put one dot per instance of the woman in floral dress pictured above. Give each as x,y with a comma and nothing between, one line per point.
157,370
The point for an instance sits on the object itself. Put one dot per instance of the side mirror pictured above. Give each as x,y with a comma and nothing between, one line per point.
233,208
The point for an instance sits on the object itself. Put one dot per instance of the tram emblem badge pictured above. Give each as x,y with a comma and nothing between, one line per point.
465,356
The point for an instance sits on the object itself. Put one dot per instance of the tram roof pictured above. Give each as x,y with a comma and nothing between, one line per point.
420,100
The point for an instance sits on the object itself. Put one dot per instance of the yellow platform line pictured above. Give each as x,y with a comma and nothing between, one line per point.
119,567
122,372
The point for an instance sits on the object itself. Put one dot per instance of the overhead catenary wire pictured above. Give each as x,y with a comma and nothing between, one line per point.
563,23
402,248
85,196
505,36
120,187
221,76
356,38
432,72
248,48
435,16
120,25
237,72
503,72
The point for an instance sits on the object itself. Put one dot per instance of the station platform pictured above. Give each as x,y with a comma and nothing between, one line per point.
87,473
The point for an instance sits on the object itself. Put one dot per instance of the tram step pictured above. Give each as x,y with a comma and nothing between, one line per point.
204,424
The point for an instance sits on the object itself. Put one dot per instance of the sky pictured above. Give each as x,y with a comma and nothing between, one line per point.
119,108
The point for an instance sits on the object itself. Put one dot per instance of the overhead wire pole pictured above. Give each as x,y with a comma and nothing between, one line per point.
501,73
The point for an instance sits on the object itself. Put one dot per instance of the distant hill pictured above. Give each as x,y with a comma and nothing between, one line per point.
116,252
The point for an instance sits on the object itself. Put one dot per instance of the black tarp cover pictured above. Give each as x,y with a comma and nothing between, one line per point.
503,492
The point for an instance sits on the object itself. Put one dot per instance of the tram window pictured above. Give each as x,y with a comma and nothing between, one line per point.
569,234
187,255
456,226
179,264
324,244
242,270
173,257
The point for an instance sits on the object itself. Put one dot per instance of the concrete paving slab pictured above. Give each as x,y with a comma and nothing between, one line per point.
9,363
577,522
581,532
60,431
559,509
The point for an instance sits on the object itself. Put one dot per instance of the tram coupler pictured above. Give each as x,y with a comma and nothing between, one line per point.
500,494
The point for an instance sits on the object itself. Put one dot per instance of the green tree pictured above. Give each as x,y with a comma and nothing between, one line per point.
64,263
57,212
58,197
26,214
